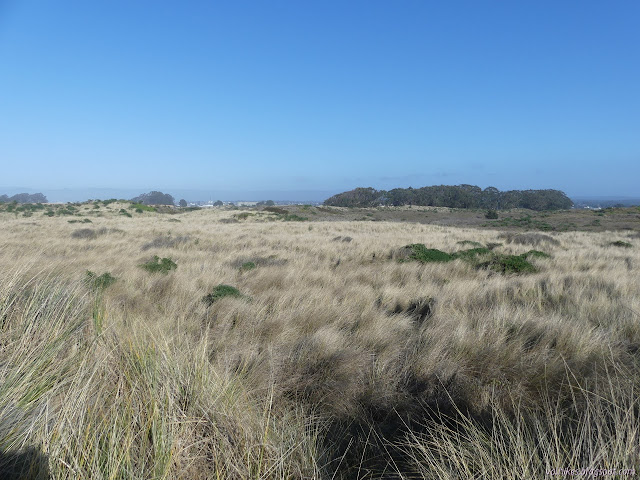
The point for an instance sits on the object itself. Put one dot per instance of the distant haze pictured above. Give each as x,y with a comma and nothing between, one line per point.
81,195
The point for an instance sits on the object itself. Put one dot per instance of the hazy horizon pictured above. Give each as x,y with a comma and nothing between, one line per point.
56,195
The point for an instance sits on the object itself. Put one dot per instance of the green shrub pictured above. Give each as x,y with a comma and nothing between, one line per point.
248,266
162,265
139,208
423,254
491,215
221,291
100,282
509,264
125,213
620,243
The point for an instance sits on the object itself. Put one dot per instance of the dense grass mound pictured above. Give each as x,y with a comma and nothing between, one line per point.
620,243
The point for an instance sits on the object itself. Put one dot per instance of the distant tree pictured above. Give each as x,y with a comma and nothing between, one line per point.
154,198
218,203
182,203
454,196
25,198
360,197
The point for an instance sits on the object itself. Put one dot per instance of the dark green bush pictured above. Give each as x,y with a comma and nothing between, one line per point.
162,265
509,264
125,213
620,243
100,282
491,215
248,266
221,291
423,254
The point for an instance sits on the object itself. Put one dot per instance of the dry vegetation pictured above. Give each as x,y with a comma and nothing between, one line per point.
332,359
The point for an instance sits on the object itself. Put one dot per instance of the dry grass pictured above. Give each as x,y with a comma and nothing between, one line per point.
337,361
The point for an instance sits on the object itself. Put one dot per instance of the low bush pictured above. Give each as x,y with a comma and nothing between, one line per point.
507,264
125,213
161,265
620,243
139,208
99,282
221,291
491,215
421,253
497,262
247,266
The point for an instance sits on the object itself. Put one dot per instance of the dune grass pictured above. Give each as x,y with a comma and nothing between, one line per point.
328,372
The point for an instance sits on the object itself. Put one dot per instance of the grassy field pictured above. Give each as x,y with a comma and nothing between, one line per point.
235,344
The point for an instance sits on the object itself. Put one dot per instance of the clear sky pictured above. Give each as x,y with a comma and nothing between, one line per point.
320,95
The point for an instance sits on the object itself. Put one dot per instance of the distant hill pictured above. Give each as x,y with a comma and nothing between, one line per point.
454,196
24,198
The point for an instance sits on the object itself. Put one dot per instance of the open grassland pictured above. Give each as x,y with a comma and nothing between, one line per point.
248,348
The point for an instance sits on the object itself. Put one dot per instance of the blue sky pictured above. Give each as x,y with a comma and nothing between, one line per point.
320,96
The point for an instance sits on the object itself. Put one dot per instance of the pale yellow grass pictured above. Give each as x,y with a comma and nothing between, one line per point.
311,374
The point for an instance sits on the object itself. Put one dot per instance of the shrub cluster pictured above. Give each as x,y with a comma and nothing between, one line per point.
498,262
161,265
221,291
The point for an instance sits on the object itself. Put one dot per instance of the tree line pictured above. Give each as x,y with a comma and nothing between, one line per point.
453,196
24,198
